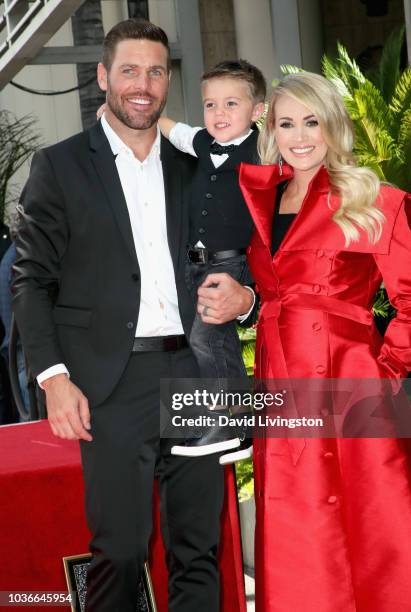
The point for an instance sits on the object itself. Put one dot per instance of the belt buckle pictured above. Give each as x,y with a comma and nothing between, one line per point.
202,255
199,255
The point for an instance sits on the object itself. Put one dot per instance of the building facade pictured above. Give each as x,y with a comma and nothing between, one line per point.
268,33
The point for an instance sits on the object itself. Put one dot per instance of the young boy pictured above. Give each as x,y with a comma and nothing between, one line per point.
220,225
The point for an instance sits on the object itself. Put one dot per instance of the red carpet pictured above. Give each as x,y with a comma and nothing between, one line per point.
42,519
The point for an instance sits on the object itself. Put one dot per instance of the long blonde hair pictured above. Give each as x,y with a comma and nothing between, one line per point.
357,188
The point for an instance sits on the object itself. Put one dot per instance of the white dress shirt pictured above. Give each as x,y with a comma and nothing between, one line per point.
182,136
143,187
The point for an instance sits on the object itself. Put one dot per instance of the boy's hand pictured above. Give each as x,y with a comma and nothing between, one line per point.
222,299
166,125
101,111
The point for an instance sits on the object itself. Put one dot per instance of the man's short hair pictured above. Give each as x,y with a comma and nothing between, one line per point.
242,71
132,29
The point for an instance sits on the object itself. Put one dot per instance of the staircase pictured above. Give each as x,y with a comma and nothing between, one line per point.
25,27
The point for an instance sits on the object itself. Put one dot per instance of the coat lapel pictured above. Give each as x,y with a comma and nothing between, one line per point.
259,186
173,197
104,163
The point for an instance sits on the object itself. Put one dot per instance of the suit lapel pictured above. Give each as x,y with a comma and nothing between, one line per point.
104,162
173,189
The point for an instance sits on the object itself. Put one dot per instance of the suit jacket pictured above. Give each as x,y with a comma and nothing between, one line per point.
77,277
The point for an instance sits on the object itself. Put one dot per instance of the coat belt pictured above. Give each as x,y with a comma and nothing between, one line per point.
269,313
272,306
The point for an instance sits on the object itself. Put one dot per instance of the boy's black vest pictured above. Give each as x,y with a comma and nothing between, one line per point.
219,217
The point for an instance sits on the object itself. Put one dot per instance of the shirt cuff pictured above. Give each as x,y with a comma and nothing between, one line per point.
245,316
59,368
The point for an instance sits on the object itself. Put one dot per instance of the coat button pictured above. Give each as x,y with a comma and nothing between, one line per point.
320,253
316,326
204,212
208,196
135,276
201,230
328,455
332,499
320,369
213,178
316,288
130,325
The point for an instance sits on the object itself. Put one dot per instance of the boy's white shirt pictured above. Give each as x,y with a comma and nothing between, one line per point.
182,136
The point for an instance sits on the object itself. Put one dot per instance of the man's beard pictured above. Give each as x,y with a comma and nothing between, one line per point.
135,121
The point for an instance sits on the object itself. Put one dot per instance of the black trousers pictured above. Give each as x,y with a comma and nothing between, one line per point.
119,466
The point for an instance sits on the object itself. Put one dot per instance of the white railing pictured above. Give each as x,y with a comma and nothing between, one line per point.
25,27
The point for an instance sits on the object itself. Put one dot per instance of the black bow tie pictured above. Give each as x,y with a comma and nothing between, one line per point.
217,149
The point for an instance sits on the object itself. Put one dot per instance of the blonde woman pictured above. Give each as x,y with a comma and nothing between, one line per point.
333,514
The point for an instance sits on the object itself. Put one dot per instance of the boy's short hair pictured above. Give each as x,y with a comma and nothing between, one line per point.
242,71
132,29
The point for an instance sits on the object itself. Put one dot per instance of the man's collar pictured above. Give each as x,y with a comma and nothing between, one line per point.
117,145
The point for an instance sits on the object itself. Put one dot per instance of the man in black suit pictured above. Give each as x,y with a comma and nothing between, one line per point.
103,311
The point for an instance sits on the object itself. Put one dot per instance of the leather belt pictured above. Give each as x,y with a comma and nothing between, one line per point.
159,343
202,255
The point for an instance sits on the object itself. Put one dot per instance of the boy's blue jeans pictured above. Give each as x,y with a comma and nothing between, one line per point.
217,348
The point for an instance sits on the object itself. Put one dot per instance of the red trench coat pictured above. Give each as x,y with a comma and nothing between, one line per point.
334,519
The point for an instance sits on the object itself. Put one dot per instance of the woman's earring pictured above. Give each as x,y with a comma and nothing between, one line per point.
280,163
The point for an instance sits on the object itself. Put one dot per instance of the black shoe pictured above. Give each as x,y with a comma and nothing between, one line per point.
245,451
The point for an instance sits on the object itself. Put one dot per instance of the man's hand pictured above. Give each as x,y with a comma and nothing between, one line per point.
222,299
67,408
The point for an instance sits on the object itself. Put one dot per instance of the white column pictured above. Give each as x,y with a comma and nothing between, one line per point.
254,36
286,31
311,34
113,11
297,29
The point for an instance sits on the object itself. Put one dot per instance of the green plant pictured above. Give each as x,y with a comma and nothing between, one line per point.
18,141
245,479
380,110
247,339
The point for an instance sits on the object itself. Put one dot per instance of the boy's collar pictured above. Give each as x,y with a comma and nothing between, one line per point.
235,141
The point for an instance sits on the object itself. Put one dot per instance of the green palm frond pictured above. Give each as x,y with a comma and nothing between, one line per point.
244,477
331,72
404,152
382,307
389,68
348,69
369,103
248,352
17,143
290,69
401,100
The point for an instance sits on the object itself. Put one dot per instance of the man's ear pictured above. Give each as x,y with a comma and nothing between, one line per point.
102,76
258,111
